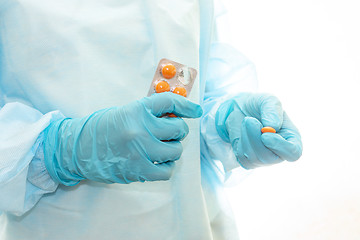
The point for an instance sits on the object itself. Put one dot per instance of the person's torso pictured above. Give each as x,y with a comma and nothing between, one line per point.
82,56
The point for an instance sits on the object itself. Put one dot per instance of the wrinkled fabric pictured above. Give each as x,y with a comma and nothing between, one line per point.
237,74
71,58
23,176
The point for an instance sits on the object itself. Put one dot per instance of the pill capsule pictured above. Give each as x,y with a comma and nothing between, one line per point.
168,71
180,91
268,129
162,86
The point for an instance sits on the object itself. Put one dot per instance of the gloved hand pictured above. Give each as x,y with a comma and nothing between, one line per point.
120,144
239,121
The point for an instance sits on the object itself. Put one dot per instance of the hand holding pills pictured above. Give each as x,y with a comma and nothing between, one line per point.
258,129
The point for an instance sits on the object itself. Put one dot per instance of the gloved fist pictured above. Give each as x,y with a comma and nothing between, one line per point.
240,120
120,144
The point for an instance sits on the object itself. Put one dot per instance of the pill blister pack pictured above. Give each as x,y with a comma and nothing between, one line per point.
173,77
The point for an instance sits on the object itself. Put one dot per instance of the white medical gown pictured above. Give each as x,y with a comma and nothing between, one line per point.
69,58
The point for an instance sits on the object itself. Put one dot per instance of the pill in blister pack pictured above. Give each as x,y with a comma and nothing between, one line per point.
173,77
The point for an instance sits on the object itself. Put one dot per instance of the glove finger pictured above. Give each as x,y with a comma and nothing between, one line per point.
289,131
141,171
158,172
164,151
169,128
234,123
254,152
221,118
271,111
163,103
287,143
281,147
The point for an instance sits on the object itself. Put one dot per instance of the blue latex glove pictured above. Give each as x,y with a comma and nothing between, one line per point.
120,144
239,121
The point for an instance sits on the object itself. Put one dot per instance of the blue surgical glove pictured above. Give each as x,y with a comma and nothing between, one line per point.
120,144
239,121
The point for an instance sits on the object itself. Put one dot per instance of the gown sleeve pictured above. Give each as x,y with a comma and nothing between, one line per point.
229,72
23,176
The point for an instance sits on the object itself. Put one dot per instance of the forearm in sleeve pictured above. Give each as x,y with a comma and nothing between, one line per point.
23,176
229,73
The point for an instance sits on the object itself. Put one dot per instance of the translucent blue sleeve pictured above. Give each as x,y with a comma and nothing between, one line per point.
23,176
229,73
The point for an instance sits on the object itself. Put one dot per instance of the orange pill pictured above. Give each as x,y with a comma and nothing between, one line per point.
171,115
168,71
180,91
268,129
162,86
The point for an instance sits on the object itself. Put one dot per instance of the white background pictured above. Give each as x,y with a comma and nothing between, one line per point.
308,54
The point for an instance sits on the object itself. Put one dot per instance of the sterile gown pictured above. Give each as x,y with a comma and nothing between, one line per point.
70,58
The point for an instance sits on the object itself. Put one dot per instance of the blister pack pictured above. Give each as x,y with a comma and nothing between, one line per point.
173,77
